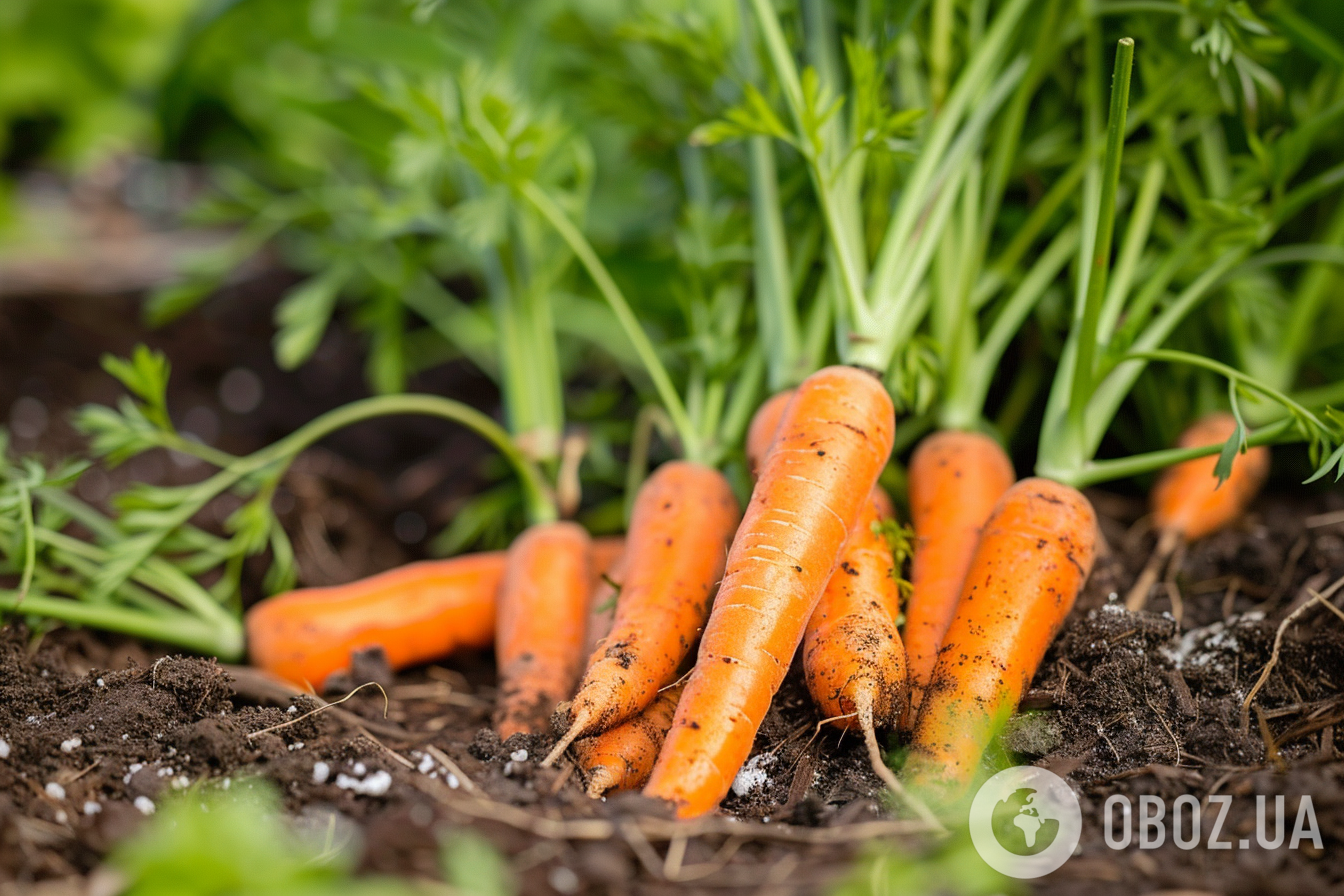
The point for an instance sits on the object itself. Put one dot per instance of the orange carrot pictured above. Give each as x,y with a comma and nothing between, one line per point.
764,425
853,658
622,757
543,612
1188,502
683,519
415,613
955,480
852,654
833,441
1032,560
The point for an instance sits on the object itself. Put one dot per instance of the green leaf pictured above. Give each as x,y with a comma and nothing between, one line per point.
145,375
474,867
167,303
303,314
1236,443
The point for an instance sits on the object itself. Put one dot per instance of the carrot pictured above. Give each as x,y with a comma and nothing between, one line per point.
1189,503
834,439
853,658
622,757
1032,560
543,611
852,654
761,431
955,480
683,519
415,613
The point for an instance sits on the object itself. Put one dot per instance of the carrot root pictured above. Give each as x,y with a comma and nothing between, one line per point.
543,612
622,757
956,478
1032,560
416,613
852,651
683,519
1189,503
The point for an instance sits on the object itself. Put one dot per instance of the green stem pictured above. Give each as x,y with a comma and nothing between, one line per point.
584,251
210,638
849,258
540,502
1231,373
1084,365
1098,471
1112,390
774,287
1312,292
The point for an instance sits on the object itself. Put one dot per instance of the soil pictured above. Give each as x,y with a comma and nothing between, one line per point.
1146,703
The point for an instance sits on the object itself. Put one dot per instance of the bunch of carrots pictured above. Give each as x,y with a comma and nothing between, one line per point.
996,569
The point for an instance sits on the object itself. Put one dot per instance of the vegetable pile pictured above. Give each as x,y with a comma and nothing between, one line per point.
742,278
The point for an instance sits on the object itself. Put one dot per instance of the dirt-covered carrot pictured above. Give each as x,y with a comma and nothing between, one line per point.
541,621
764,425
852,654
414,614
1189,503
835,438
684,517
1032,559
622,757
955,478
853,658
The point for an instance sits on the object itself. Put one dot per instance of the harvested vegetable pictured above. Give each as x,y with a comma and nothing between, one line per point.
622,757
414,614
1032,560
1189,502
834,439
542,616
684,517
852,653
955,478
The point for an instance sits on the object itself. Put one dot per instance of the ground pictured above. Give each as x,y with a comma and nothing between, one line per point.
1147,703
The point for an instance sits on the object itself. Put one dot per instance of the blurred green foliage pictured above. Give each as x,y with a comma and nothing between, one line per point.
79,78
237,842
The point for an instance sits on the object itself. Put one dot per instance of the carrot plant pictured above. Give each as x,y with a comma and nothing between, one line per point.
1038,544
137,570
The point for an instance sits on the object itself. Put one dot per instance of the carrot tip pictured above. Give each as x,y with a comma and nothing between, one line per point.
600,780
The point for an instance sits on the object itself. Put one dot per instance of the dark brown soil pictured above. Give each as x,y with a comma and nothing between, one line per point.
1125,703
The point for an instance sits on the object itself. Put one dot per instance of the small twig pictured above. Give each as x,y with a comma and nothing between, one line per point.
1316,596
1325,519
1137,598
563,778
688,873
1230,596
453,768
1271,748
1172,734
313,712
1289,567
1102,732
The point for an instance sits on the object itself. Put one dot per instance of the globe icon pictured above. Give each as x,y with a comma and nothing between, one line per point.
1019,826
